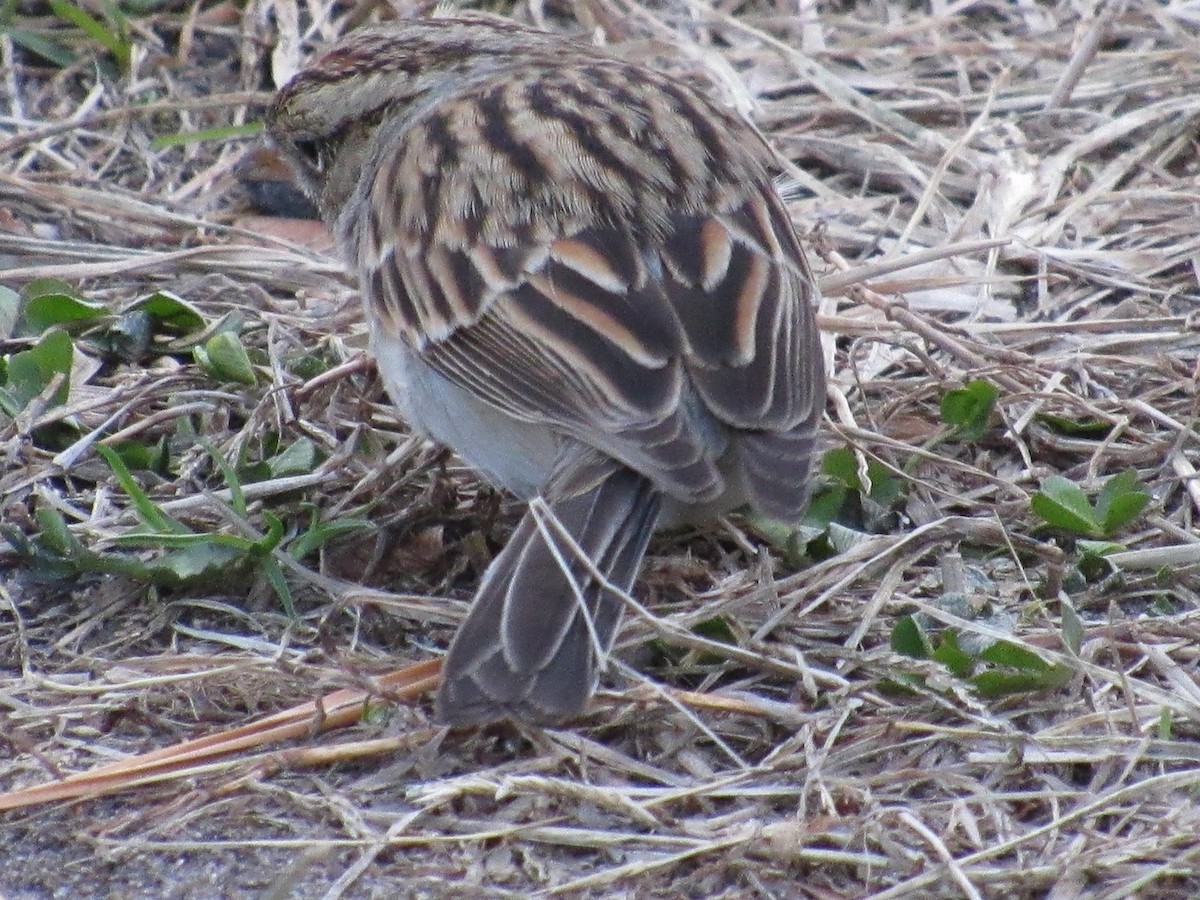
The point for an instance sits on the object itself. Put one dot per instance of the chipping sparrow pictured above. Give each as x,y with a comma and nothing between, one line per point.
578,275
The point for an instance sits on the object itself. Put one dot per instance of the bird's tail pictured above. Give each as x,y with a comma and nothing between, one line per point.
550,603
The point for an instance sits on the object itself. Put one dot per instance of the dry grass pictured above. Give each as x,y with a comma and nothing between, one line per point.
772,762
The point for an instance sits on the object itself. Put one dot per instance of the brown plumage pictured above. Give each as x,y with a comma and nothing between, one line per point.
578,275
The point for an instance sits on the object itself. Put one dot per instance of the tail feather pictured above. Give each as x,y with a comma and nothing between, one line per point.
529,647
775,466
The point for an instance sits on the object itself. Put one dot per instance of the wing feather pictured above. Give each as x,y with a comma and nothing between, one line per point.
656,334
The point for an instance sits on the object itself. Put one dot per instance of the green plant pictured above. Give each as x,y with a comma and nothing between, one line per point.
968,410
1061,504
28,373
66,338
996,668
180,557
110,30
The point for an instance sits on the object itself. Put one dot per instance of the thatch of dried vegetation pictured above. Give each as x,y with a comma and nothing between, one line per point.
992,191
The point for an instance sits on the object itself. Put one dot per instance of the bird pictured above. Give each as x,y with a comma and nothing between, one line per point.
578,274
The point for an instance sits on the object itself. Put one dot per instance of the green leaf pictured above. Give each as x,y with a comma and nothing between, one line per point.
789,538
716,629
308,366
1073,630
1010,668
842,465
29,372
1062,504
1162,606
1165,725
1120,501
1093,564
57,552
271,569
909,639
139,456
886,488
55,533
274,536
54,354
260,550
1082,428
199,562
298,459
222,133
318,532
111,35
170,313
224,357
237,499
274,575
825,505
148,513
952,656
996,683
1018,671
171,540
44,311
190,558
1004,653
41,286
968,409
44,47
1099,548
36,555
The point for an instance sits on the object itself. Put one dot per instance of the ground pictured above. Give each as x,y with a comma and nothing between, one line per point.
973,672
